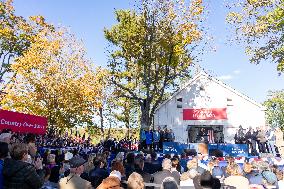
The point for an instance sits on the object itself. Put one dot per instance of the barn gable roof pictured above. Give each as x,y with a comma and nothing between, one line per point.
203,73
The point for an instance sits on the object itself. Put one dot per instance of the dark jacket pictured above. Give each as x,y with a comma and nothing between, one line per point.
129,169
97,175
152,167
161,175
18,174
146,176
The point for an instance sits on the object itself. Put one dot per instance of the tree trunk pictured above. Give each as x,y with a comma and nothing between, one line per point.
108,134
145,116
102,121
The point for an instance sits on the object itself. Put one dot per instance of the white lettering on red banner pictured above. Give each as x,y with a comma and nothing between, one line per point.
205,114
25,123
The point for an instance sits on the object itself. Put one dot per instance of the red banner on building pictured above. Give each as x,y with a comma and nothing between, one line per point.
22,123
205,114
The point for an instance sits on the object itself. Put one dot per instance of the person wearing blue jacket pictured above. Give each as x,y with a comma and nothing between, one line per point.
149,138
143,139
156,138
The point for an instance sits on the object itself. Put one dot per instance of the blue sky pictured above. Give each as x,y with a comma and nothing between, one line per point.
88,18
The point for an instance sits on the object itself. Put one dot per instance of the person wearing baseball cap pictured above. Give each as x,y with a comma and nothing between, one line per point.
74,181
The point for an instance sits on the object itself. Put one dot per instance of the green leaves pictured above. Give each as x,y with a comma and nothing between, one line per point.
151,50
259,24
275,109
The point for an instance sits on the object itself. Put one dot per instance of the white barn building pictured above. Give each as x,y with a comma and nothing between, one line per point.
205,103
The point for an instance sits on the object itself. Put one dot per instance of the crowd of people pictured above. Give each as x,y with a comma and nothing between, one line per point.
261,140
50,162
153,139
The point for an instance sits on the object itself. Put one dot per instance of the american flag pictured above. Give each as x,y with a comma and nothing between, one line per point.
211,136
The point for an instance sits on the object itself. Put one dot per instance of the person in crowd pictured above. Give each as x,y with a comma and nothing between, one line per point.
186,178
73,180
191,166
47,184
139,166
66,163
4,150
149,139
169,183
279,175
55,170
175,172
166,172
270,179
6,137
152,165
19,174
253,174
111,182
119,157
217,171
206,180
236,179
261,137
88,167
99,172
156,138
271,141
31,140
129,164
135,181
118,166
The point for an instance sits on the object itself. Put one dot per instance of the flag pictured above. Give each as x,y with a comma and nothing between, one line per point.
211,138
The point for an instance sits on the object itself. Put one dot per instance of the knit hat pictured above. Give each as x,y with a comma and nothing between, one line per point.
116,174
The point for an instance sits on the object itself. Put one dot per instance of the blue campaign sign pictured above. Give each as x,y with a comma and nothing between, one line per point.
174,147
234,150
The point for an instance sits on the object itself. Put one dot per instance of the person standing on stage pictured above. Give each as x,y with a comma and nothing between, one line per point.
143,139
149,138
203,137
248,138
171,136
240,136
271,141
262,140
156,138
254,141
167,136
162,138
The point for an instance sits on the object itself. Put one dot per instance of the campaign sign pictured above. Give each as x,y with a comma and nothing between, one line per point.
174,147
234,150
23,123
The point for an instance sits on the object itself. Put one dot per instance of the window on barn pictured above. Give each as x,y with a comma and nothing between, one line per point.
179,102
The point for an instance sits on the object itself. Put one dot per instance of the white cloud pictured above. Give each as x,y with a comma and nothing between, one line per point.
225,77
237,72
